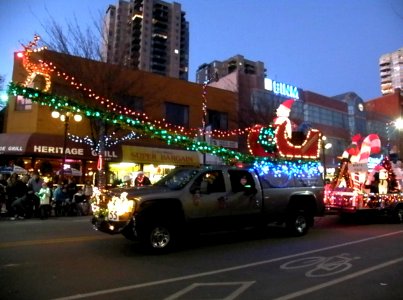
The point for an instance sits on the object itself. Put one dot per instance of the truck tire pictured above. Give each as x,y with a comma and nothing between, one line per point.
158,237
297,223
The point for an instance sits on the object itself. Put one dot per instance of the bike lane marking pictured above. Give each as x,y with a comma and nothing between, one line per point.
224,270
321,266
340,279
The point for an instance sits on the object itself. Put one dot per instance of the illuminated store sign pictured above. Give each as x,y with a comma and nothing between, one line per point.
280,88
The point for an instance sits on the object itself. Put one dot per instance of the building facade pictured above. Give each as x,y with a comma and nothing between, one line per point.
391,71
148,35
339,118
33,139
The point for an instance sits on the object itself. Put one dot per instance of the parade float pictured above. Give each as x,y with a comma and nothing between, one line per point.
366,182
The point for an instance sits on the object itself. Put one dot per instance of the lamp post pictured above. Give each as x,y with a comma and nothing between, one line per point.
325,146
65,118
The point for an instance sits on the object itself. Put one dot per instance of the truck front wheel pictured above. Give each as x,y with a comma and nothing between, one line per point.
297,223
158,237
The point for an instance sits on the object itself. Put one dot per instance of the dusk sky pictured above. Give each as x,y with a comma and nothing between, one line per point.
325,46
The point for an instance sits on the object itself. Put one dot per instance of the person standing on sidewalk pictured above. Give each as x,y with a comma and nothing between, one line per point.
3,194
34,185
44,195
16,196
60,196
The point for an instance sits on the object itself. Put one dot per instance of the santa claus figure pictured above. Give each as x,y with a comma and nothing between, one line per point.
283,112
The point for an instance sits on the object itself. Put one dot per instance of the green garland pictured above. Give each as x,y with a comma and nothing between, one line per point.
149,129
145,127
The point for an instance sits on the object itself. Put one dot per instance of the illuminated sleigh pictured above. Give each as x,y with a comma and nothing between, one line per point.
274,141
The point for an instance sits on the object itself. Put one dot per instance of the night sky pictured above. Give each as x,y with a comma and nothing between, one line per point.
327,47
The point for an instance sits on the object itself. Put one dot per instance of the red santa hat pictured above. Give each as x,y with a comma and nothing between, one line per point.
357,138
287,104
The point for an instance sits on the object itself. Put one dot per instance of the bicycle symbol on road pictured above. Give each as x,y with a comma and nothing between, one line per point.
323,266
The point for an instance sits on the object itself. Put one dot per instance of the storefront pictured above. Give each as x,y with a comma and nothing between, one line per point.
154,162
44,152
122,162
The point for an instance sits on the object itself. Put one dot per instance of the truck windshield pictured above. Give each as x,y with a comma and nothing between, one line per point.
177,178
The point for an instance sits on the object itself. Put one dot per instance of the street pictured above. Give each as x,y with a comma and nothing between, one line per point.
64,258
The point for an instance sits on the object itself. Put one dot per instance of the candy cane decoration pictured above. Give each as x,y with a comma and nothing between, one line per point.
370,145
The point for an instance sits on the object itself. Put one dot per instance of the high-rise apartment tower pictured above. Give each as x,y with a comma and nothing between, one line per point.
217,69
391,71
149,35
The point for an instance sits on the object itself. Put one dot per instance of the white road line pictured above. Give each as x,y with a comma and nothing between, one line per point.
214,272
338,280
243,286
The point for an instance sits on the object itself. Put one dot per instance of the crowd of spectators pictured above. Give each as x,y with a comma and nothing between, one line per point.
29,196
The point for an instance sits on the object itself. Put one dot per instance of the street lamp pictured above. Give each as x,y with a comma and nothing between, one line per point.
325,146
65,118
393,151
399,123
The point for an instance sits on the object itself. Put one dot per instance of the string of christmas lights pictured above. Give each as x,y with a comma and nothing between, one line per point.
33,68
109,141
148,129
114,113
47,69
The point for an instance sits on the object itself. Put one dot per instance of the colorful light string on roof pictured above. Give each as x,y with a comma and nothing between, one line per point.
48,69
136,124
109,140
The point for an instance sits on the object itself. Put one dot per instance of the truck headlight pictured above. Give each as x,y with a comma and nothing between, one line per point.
121,205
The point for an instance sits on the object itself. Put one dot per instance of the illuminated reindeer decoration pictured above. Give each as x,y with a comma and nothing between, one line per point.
37,67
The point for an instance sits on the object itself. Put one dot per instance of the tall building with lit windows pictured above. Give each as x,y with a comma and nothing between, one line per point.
148,35
391,71
217,69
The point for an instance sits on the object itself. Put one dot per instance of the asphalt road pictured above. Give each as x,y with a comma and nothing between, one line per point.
64,258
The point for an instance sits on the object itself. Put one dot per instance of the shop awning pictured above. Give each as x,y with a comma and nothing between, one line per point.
148,155
46,145
38,144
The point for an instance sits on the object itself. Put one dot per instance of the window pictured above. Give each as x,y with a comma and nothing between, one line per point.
209,182
23,104
241,181
325,116
177,114
217,120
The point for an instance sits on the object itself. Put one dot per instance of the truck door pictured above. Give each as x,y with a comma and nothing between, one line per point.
208,195
244,197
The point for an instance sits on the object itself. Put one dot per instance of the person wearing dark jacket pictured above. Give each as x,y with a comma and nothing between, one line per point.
17,196
141,180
